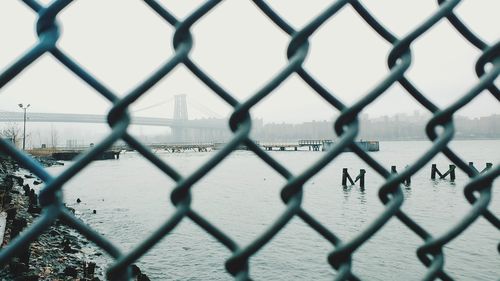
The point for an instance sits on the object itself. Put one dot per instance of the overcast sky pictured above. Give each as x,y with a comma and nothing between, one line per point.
123,41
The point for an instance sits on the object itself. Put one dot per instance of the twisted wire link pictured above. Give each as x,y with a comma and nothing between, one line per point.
477,191
280,22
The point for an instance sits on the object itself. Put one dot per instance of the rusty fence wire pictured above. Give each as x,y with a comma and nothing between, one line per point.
439,129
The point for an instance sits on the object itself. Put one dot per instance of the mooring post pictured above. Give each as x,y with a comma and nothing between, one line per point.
452,172
361,178
433,172
488,166
471,165
393,170
346,177
407,180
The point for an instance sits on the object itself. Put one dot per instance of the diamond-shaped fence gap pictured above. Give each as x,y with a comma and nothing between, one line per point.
201,102
42,139
467,266
403,16
121,50
439,49
481,18
258,189
344,210
485,107
299,13
143,200
437,204
198,256
384,250
346,56
150,135
179,9
295,103
394,115
307,158
58,107
15,41
59,92
184,162
162,123
399,153
475,152
296,246
434,219
240,59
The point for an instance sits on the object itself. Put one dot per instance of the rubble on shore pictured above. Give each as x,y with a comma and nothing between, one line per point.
59,253
56,254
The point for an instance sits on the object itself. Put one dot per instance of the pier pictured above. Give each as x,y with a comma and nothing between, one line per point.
68,154
316,145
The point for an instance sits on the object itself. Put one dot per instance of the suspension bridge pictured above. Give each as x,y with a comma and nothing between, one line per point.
183,129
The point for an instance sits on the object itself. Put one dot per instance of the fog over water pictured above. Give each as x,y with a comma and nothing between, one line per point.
123,42
241,196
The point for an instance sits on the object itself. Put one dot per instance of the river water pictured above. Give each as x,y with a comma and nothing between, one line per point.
241,197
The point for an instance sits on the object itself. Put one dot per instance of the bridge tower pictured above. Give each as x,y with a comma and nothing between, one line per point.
180,108
179,134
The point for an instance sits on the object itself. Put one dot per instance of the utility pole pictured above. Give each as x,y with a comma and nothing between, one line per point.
24,108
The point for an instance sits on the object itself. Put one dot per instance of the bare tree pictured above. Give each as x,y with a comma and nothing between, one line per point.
12,132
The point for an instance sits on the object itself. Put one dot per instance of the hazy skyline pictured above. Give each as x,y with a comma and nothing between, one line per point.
123,42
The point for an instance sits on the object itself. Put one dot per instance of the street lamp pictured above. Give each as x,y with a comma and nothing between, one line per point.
24,131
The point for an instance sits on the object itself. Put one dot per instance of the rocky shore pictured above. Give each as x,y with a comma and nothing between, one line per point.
58,254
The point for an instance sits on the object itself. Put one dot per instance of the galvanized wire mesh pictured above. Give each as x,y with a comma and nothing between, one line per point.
477,191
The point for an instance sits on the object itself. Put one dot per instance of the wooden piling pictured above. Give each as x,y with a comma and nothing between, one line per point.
345,177
433,171
393,170
452,172
488,166
407,180
471,165
361,178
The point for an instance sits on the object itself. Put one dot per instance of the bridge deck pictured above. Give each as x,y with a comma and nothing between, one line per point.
219,124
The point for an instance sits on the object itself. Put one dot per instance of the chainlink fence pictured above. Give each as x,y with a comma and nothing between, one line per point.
477,191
